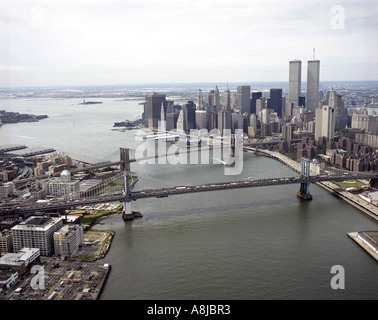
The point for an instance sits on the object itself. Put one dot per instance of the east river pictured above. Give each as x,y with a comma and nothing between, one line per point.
256,243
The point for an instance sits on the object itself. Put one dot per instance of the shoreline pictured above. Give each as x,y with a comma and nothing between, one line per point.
350,198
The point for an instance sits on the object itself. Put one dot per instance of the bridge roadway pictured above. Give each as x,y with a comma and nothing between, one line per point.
165,192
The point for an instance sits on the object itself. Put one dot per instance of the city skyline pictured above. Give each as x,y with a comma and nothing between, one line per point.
113,42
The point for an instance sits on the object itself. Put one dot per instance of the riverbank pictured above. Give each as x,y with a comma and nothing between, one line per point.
352,199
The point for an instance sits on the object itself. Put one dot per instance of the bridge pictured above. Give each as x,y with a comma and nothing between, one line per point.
120,187
114,191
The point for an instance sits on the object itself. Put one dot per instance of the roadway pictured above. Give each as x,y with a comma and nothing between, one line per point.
179,190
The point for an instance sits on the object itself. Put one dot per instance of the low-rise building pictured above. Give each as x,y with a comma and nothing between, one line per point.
21,261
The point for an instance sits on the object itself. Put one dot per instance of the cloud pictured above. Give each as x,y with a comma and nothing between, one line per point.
173,37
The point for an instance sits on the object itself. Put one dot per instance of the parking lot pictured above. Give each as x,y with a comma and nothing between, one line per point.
63,280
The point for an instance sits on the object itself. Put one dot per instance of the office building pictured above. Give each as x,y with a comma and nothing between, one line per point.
255,96
200,100
295,72
217,99
227,99
312,95
260,105
275,101
243,98
237,121
201,119
36,232
224,120
325,120
154,102
189,115
64,186
364,121
181,122
68,240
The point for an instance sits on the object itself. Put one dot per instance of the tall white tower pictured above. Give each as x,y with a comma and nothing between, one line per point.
313,71
325,121
295,72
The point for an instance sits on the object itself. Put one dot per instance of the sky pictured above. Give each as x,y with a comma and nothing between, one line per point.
105,42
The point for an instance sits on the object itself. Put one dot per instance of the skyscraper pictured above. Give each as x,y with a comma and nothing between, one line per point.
217,99
189,115
255,96
243,97
200,100
325,120
227,99
313,71
154,103
201,119
295,71
275,101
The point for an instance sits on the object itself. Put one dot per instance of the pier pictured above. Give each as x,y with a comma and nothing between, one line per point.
367,240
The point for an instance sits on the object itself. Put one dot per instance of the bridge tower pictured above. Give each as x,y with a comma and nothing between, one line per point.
127,214
304,191
125,159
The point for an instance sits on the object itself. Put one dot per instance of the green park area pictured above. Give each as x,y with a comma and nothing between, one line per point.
349,183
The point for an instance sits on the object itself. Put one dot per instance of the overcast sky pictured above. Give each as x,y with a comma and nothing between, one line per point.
102,42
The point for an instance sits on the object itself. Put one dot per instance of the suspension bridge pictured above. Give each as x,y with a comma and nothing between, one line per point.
127,187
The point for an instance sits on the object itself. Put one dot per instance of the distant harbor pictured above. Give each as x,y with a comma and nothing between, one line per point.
30,152
128,124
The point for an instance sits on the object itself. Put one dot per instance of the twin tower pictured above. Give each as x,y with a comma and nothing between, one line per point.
312,94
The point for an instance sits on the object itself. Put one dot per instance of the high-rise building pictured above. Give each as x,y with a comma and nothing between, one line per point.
313,72
325,121
154,103
189,115
275,101
236,121
227,99
217,99
201,119
224,120
243,98
200,100
295,72
181,122
255,96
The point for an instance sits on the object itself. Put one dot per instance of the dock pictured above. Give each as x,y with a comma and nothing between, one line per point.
367,240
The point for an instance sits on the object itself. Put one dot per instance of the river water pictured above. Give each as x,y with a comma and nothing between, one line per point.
255,243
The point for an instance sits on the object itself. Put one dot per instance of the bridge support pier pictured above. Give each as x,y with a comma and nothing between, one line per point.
304,190
127,214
